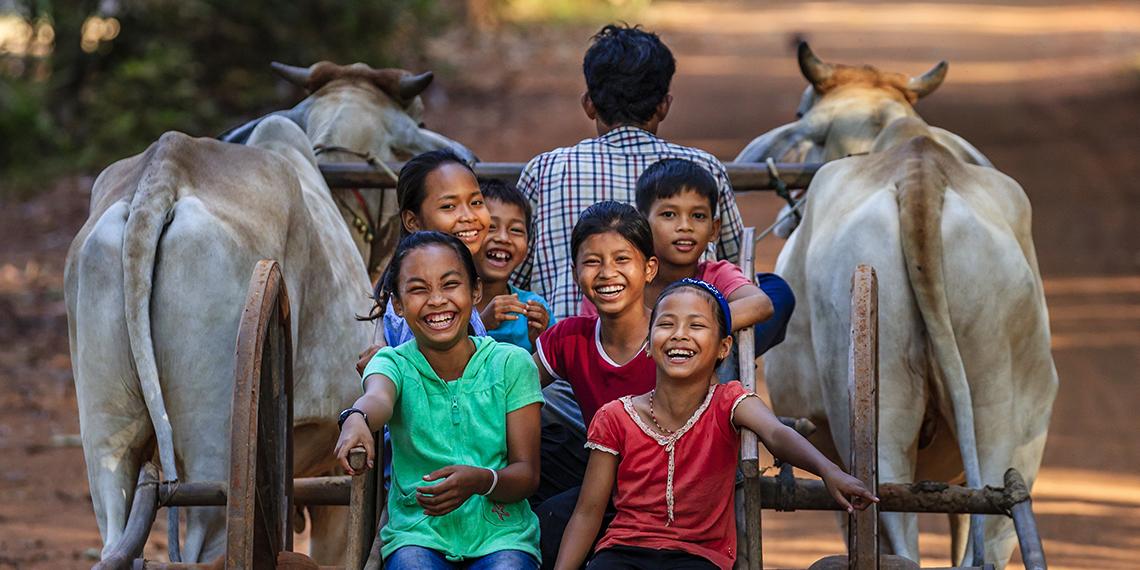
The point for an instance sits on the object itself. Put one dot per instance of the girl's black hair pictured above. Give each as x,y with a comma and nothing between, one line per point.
410,192
719,305
388,285
669,177
611,216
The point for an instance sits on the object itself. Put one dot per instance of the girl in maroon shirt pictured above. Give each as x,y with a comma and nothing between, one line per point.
668,458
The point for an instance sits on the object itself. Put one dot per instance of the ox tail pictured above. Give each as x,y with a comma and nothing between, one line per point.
150,212
920,198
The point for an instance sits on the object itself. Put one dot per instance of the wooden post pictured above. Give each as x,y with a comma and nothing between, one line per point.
863,378
749,443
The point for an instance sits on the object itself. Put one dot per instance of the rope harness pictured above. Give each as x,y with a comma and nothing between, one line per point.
364,223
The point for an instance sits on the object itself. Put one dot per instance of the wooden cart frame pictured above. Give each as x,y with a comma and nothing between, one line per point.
260,494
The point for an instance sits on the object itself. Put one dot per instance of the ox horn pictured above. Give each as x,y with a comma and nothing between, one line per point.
298,76
412,85
926,83
813,69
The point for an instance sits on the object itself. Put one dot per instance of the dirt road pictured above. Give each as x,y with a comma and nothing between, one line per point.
1049,91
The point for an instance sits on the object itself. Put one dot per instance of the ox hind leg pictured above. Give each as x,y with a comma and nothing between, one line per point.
313,457
113,418
200,286
900,422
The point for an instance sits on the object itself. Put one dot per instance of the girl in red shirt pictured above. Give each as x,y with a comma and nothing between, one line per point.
668,458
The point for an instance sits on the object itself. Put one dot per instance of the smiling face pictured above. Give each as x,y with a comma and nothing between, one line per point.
683,225
434,295
452,204
505,246
612,273
684,338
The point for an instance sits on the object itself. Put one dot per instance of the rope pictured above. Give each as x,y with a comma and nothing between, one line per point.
781,186
795,210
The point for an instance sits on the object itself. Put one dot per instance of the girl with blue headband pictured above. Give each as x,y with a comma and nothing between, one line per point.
668,458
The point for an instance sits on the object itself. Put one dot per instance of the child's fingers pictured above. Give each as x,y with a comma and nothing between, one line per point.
843,502
440,473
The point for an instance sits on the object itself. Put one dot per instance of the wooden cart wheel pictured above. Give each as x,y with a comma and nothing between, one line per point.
863,386
261,447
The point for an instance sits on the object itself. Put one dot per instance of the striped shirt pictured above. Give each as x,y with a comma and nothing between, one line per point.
560,184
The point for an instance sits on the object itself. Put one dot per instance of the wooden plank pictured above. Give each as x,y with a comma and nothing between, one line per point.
863,378
744,176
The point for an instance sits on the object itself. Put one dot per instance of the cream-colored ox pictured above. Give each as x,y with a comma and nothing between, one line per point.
155,284
356,113
967,377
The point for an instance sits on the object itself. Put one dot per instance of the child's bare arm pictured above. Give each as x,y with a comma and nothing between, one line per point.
790,446
517,481
587,518
544,376
749,306
378,401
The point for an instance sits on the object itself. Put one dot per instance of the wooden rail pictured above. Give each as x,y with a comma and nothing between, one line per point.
744,176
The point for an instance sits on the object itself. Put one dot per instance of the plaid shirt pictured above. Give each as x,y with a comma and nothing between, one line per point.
560,184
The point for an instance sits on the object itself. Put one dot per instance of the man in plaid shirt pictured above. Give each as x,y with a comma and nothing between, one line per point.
628,72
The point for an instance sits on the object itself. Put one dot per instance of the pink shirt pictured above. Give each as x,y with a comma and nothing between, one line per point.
724,275
674,492
572,350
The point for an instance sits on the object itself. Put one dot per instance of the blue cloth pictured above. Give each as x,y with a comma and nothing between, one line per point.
771,332
397,331
420,558
516,332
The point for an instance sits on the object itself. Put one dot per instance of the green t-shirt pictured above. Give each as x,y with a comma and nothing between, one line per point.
463,422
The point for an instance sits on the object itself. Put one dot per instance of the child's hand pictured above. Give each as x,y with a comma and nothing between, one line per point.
537,320
502,308
353,434
841,485
365,357
459,483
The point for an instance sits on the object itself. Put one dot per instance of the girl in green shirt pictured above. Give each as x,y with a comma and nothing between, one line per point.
463,412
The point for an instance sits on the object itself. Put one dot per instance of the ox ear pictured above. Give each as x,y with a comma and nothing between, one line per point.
813,69
412,85
926,83
789,143
298,76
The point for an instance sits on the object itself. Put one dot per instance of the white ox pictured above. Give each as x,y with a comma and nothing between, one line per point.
967,377
355,112
155,284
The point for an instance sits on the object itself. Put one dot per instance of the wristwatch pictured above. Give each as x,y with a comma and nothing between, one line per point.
348,412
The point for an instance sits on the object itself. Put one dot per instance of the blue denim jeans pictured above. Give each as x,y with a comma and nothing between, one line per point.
420,558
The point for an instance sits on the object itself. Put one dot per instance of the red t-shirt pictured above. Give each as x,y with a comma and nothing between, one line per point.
692,513
572,350
726,276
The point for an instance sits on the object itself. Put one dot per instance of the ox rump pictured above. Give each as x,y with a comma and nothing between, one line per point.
967,377
155,283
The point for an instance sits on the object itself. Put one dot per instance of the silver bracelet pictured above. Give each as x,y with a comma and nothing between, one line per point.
494,481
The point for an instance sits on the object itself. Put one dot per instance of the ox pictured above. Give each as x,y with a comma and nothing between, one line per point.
155,284
967,377
355,113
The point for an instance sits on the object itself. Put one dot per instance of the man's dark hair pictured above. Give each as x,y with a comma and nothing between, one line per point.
507,193
669,177
628,71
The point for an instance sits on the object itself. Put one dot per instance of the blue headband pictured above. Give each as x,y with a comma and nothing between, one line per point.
726,328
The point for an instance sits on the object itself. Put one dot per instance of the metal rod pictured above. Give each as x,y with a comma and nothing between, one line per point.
1024,523
143,509
744,176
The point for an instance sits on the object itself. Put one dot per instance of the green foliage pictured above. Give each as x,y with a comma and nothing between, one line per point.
197,66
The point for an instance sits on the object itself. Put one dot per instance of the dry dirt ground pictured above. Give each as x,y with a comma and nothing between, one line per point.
1048,90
